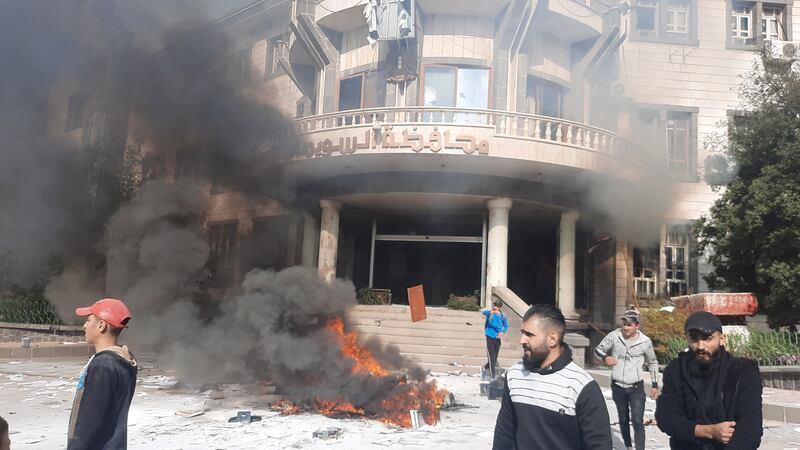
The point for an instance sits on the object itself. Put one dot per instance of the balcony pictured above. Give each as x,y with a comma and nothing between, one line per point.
472,140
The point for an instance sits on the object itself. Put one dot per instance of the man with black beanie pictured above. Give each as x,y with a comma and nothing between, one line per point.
710,399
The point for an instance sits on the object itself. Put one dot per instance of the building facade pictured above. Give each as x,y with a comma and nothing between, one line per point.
464,145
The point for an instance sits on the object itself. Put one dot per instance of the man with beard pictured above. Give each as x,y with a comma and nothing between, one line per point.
710,399
626,350
549,401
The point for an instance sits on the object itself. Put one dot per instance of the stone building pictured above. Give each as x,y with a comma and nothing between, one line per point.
460,144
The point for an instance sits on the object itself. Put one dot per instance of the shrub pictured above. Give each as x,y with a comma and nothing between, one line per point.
463,303
663,328
369,296
768,348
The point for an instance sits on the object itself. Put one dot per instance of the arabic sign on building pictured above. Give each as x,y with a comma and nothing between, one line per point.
433,141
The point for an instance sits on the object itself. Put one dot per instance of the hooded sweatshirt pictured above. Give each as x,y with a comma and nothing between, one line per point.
99,418
631,355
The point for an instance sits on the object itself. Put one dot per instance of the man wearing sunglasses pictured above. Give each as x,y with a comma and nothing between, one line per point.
710,399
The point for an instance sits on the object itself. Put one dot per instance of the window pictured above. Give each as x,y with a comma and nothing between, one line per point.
672,134
647,17
272,240
678,16
772,23
153,167
741,22
677,139
745,17
676,249
645,272
365,90
240,67
456,87
74,112
222,238
543,97
275,49
668,21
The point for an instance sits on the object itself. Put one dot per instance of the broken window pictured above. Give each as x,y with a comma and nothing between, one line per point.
645,272
74,112
676,253
222,239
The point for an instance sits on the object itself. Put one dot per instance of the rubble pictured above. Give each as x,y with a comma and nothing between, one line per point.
328,433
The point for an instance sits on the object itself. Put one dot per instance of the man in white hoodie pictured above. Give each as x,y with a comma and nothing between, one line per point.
626,350
99,418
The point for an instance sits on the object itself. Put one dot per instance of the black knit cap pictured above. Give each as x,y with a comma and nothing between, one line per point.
703,321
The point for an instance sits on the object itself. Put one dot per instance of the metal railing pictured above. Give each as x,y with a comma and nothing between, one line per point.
28,310
769,348
505,124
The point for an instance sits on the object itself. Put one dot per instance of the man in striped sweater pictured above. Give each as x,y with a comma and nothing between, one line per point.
549,401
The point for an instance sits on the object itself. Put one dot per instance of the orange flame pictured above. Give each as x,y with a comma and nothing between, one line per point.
364,361
395,407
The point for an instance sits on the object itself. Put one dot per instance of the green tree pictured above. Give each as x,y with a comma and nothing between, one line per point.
753,230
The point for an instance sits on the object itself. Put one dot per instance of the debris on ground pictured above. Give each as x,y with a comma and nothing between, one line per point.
328,433
244,417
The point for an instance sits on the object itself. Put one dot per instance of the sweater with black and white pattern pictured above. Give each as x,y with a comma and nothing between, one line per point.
557,407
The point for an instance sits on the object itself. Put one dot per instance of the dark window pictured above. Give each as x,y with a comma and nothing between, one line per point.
350,92
544,97
222,238
240,67
74,112
668,21
277,241
153,167
676,250
672,134
645,272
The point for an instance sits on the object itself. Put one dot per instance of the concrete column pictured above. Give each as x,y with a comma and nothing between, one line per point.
566,264
497,245
328,238
310,236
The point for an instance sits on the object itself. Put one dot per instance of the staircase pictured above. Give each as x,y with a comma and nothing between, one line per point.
446,341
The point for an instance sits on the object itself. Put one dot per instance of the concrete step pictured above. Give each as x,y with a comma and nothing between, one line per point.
432,336
404,310
465,327
475,361
447,341
452,351
471,317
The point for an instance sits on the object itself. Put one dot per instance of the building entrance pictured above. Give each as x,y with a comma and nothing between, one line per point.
444,253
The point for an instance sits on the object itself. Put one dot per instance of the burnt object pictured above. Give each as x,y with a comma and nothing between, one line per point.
327,433
244,417
493,389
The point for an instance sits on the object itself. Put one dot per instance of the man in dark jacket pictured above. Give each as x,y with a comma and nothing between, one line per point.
549,401
710,399
99,418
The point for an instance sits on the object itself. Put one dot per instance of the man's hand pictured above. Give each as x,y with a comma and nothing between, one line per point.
610,360
720,432
654,393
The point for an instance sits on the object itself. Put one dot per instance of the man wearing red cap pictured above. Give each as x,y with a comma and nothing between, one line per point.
99,418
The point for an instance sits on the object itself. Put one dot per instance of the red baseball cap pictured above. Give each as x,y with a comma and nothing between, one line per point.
111,310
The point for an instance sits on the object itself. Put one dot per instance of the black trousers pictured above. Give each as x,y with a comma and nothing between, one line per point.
493,346
633,398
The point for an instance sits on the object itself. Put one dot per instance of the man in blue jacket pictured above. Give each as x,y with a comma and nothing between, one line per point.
99,418
495,326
